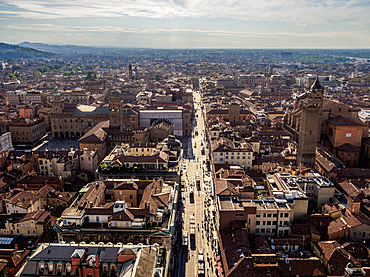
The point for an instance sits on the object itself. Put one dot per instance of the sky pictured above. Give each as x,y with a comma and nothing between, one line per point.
189,23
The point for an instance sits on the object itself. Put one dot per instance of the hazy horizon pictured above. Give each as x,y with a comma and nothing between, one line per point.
195,48
189,24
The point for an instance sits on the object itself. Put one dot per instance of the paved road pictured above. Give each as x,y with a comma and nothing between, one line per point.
186,261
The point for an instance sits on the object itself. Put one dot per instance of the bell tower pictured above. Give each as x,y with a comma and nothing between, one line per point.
316,99
115,112
310,129
57,104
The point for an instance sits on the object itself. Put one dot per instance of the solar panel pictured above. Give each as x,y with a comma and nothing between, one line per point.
6,240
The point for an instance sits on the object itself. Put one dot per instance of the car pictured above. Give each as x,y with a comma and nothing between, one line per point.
192,231
200,256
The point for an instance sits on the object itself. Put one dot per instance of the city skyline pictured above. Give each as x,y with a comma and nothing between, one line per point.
189,24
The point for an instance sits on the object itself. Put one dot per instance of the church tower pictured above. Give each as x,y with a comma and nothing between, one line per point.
316,98
115,112
310,130
57,104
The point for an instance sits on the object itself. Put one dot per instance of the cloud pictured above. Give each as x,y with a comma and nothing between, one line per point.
314,12
113,29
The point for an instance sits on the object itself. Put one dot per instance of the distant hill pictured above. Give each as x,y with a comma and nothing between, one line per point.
8,51
69,49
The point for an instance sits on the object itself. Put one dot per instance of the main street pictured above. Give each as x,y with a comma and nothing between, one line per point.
200,207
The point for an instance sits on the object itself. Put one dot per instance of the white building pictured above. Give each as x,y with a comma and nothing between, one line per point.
147,117
6,141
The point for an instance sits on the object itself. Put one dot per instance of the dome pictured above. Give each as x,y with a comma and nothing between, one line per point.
172,141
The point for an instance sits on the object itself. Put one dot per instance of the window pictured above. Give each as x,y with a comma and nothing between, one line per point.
286,215
258,215
268,222
257,222
268,215
330,132
130,196
239,215
59,267
348,135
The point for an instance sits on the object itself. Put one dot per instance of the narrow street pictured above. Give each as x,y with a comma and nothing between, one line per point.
197,210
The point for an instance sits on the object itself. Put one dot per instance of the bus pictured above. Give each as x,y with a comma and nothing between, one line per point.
192,236
197,180
185,239
191,195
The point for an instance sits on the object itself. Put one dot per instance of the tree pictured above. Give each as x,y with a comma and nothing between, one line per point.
91,75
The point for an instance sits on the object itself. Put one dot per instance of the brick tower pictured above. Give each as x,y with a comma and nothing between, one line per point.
310,130
115,112
316,98
234,112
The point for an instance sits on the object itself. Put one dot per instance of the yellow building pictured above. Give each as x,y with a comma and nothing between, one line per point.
32,224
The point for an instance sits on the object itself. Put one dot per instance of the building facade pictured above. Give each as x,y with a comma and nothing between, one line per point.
27,131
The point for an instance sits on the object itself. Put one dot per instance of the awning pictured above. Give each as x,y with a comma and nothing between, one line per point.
220,270
219,264
218,257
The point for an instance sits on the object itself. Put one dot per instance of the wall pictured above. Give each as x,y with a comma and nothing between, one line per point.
226,216
100,147
129,196
10,208
360,232
245,158
324,194
344,134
